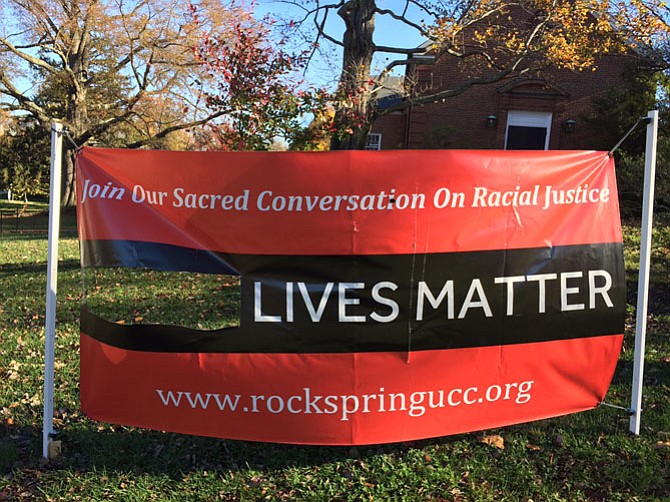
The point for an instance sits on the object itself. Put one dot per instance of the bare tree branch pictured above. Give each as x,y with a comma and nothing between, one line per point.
35,61
179,127
24,103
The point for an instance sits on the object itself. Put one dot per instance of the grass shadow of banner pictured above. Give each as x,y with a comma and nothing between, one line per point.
95,446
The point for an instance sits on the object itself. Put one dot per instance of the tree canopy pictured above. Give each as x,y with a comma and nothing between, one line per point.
122,72
255,84
24,158
494,39
130,73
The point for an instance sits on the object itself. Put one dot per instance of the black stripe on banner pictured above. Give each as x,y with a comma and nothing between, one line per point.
395,303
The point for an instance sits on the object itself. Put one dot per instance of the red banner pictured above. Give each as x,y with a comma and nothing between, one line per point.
386,296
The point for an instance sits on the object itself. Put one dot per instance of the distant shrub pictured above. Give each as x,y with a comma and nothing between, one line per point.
630,179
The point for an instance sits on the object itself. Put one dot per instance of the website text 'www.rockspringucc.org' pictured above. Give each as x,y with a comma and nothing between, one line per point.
414,404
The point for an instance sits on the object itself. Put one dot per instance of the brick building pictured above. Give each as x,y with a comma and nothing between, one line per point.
544,111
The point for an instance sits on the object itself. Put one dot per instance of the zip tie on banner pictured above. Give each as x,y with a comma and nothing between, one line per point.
629,411
646,120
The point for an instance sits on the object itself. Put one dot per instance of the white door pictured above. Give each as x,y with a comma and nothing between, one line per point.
527,130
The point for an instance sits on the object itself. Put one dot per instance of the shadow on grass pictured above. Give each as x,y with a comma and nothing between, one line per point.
655,374
17,220
659,296
91,446
37,268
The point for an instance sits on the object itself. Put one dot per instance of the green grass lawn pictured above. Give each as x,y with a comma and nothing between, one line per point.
586,456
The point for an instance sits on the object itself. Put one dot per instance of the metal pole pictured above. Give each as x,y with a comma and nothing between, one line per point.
643,280
52,276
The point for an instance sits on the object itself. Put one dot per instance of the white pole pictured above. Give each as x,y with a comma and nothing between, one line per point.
643,280
52,277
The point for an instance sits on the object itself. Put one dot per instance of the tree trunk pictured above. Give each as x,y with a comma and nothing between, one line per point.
353,117
77,121
69,193
78,60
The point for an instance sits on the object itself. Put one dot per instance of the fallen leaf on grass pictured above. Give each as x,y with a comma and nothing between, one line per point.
494,440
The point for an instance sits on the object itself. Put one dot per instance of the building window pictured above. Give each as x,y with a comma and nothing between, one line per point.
527,130
374,141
